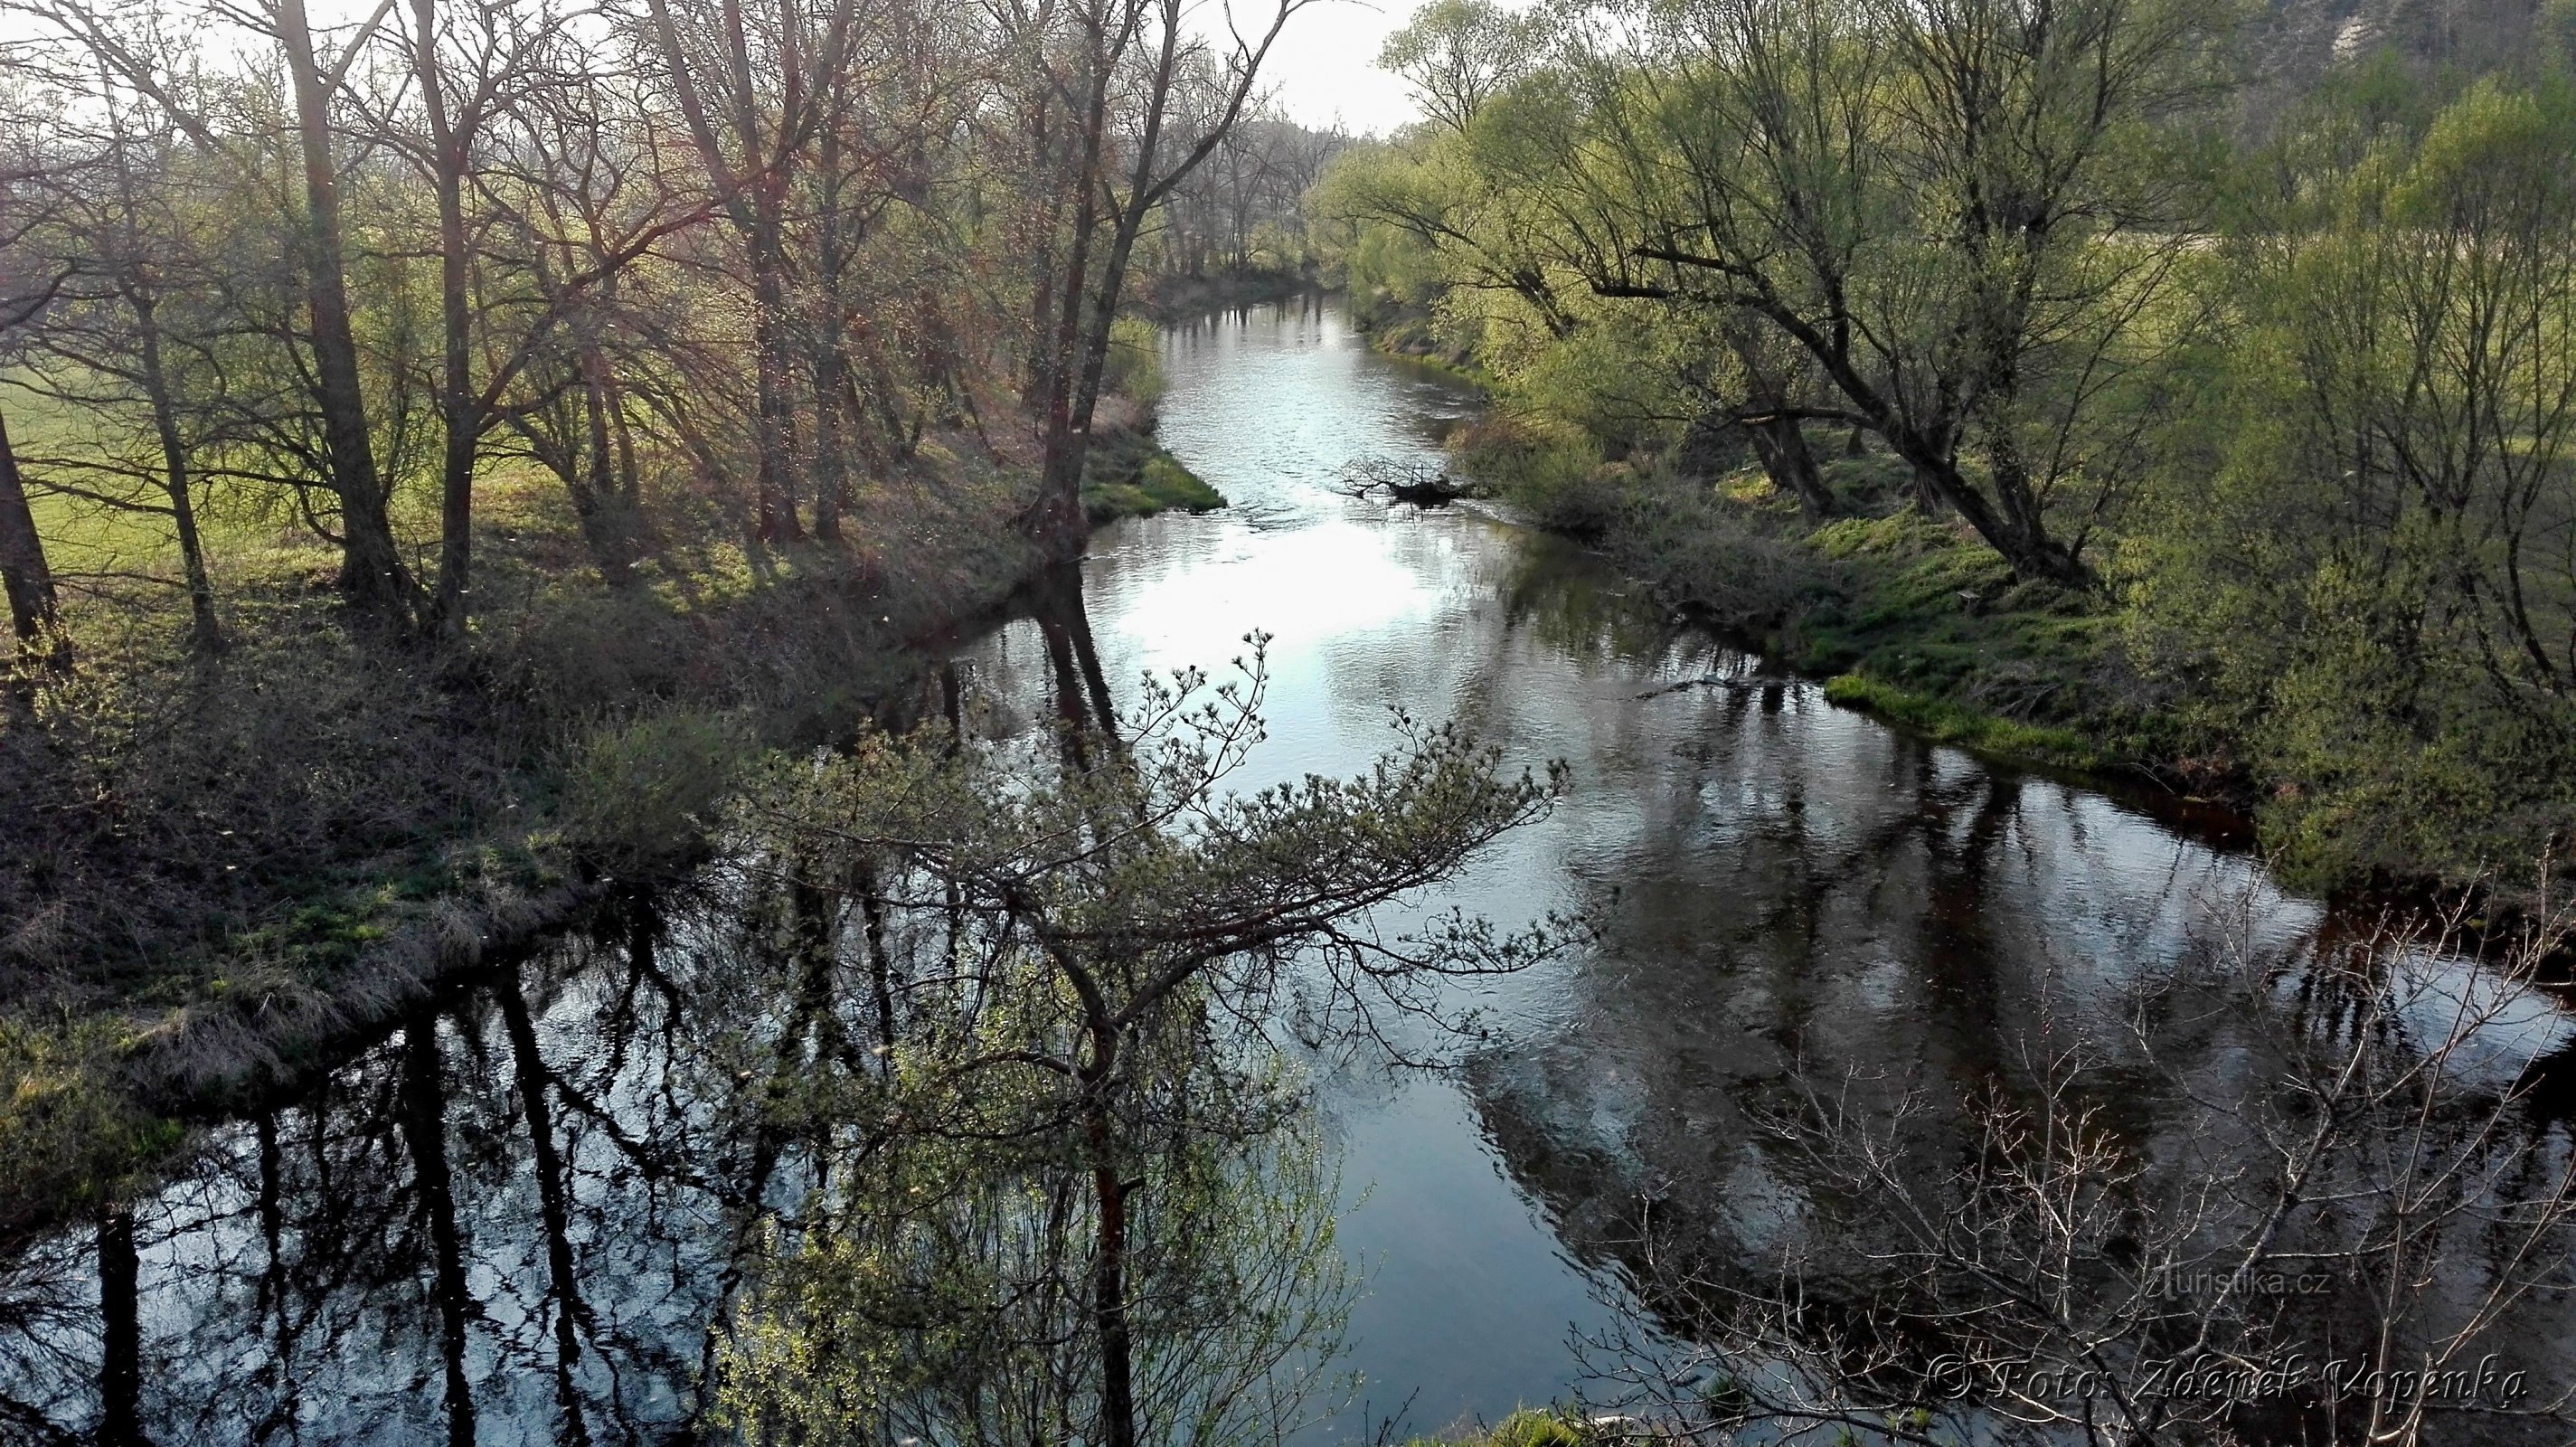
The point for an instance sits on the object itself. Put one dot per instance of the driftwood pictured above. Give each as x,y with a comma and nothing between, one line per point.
1423,484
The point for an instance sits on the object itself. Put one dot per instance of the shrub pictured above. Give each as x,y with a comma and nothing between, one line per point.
1135,366
637,796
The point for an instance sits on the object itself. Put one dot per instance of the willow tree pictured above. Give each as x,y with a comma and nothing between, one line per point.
1964,211
1078,962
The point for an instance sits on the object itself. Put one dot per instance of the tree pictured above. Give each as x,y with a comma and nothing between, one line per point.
123,345
1070,947
753,100
371,570
1145,105
2359,562
1958,211
23,570
25,574
1458,54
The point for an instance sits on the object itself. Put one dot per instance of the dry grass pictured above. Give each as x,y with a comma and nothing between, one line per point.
210,869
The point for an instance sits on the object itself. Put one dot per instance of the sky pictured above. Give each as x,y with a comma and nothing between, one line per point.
1324,66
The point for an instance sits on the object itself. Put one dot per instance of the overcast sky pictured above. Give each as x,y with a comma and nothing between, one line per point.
1325,64
1324,67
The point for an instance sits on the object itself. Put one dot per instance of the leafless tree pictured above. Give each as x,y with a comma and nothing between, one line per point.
2262,1268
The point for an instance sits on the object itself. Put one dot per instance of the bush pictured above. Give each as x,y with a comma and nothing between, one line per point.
1135,366
638,796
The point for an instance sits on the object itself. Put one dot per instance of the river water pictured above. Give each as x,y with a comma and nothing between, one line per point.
406,1251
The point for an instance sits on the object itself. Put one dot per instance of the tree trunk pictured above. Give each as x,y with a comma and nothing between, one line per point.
609,524
24,574
120,1376
2021,540
1782,445
1109,1249
553,1209
458,413
1056,522
774,428
425,1135
204,632
830,361
371,570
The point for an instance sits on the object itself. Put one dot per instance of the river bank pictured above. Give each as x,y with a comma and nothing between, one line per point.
224,876
1917,621
1168,299
578,1146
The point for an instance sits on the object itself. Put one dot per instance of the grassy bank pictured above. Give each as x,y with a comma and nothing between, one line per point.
1128,474
1528,1427
1411,333
214,871
1908,617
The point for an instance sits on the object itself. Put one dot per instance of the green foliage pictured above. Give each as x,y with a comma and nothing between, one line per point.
638,796
2342,574
1135,366
1528,1427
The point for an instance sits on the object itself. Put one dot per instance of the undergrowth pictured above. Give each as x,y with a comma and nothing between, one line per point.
207,865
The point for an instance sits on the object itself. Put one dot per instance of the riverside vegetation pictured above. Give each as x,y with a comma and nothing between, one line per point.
439,454
483,461
2058,378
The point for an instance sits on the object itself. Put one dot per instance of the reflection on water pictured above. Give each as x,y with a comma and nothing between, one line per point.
521,1218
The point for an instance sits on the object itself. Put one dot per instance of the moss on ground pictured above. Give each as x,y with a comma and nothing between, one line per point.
1951,723
1128,475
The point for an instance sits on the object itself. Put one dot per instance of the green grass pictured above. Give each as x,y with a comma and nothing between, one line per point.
1408,338
1951,723
1127,476
1528,1427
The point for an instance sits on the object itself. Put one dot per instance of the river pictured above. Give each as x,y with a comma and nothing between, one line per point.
403,1251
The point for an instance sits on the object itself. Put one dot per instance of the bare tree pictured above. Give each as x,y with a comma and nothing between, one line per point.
2049,1274
25,574
1122,73
1940,204
754,96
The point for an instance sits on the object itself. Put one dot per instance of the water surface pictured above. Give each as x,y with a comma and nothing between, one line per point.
408,1250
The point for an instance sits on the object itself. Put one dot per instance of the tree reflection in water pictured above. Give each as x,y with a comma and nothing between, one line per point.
944,1296
959,1096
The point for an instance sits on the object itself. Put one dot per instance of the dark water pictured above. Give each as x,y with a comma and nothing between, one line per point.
410,1252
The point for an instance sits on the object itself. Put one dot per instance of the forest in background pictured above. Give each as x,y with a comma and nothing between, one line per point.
2144,383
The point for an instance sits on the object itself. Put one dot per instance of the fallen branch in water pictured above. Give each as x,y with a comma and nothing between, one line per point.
1424,484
